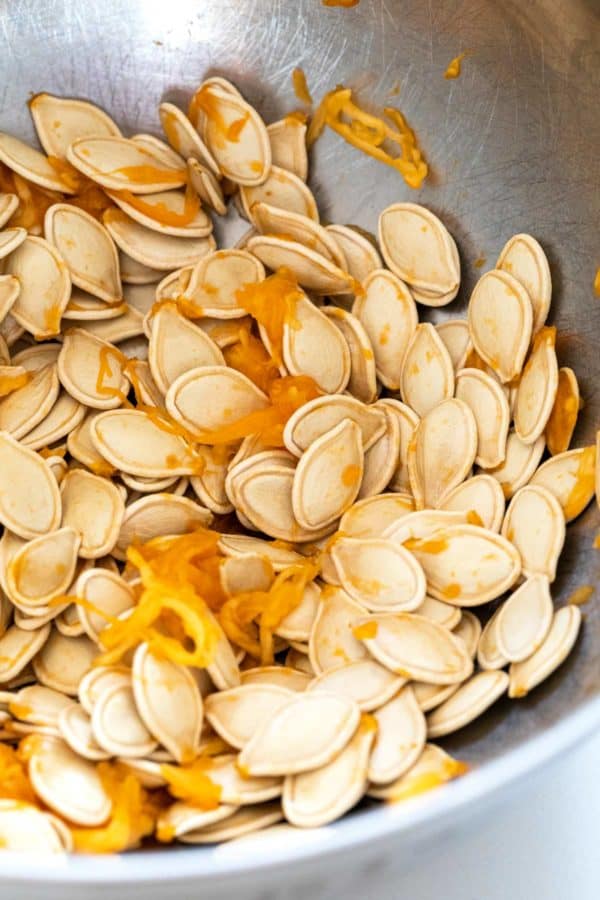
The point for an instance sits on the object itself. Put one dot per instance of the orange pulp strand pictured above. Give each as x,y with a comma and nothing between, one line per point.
159,212
563,418
367,132
301,87
272,303
454,67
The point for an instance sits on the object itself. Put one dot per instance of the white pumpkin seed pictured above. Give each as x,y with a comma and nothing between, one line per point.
559,642
45,286
305,733
537,388
91,370
535,524
362,383
98,680
26,407
313,799
29,501
118,163
206,185
18,647
441,452
9,203
500,322
169,703
420,250
23,828
62,662
442,613
313,346
107,594
65,415
10,287
416,647
427,375
364,681
238,714
524,619
467,565
401,733
166,212
117,726
288,145
151,248
362,256
328,476
457,340
10,239
312,270
332,640
177,345
371,517
132,442
519,464
87,249
482,495
75,728
319,416
183,137
183,818
434,767
282,190
467,703
190,398
487,401
525,259
68,784
94,508
61,120
30,164
280,676
43,568
378,574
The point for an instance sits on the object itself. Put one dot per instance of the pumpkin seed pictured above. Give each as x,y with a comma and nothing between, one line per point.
388,314
422,524
177,345
467,565
65,415
482,495
29,501
128,325
434,767
457,340
117,725
216,279
427,375
43,568
416,648
312,270
169,703
525,259
242,822
156,515
118,163
362,257
132,442
25,828
87,250
470,700
10,239
442,452
62,662
31,164
9,203
151,248
487,401
181,818
206,186
93,506
278,222
108,595
570,476
68,784
488,652
362,383
45,286
524,619
9,291
166,213
18,647
428,696
401,732
371,517
98,680
241,544
378,574
381,459
524,676
305,733
91,370
469,631
282,190
442,613
321,415
75,728
297,624
328,476
26,407
537,388
280,676
189,398
332,640
535,525
364,681
238,714
134,272
313,346
500,322
563,418
235,135
61,120
420,250
183,137
312,799
287,138
520,462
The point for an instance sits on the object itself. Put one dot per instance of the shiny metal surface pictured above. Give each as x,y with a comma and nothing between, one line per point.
512,145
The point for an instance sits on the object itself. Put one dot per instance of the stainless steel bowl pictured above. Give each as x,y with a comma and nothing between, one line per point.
513,146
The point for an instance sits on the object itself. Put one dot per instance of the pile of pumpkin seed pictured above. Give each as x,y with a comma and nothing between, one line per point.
416,479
